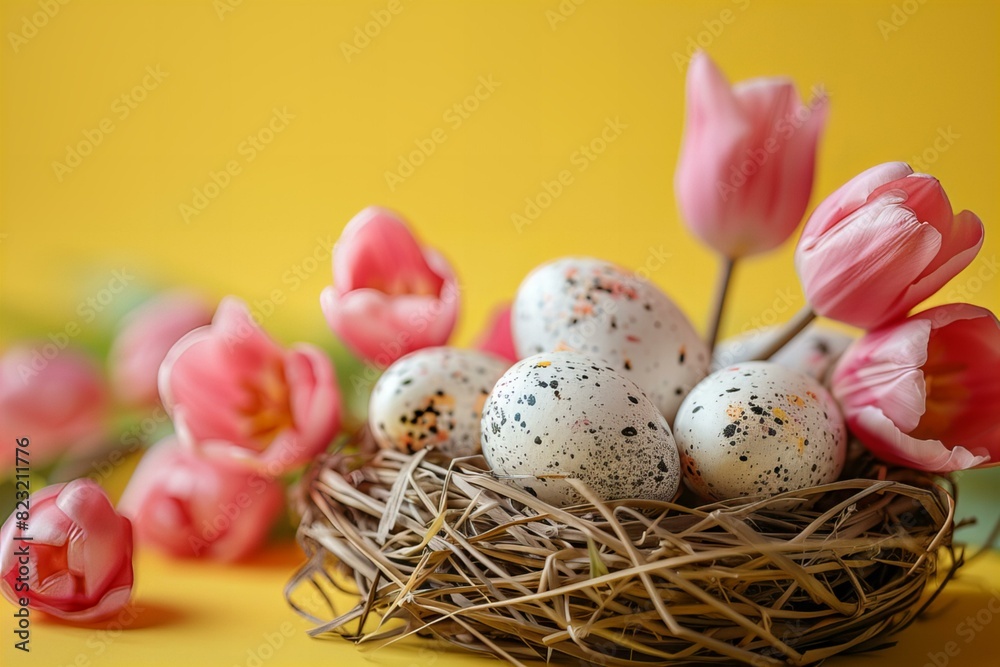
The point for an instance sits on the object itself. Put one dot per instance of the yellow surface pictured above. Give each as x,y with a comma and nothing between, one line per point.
907,80
202,614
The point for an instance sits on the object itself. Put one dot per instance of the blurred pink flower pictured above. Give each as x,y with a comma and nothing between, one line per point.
79,557
747,159
193,506
59,403
497,337
925,392
390,295
881,244
234,390
144,337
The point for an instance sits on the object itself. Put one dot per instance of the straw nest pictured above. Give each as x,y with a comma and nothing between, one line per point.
444,549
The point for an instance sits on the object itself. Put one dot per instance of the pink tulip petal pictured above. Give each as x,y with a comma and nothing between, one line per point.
110,604
230,382
711,100
315,399
795,170
858,269
851,196
390,295
382,329
745,171
74,573
61,404
377,250
887,442
205,502
883,368
498,338
958,250
965,353
95,543
956,349
145,336
244,537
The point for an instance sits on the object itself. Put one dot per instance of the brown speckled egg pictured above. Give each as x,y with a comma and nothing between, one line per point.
434,397
758,428
561,414
609,313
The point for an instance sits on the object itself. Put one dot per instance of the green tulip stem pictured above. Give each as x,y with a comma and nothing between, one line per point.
719,300
790,330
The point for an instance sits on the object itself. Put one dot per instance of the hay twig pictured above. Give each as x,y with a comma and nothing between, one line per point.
455,553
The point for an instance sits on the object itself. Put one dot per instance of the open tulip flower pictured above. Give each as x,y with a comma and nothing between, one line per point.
881,244
747,159
390,295
193,506
76,551
925,392
232,389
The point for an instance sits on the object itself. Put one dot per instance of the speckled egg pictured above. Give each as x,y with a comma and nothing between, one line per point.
434,397
562,414
606,312
758,428
814,351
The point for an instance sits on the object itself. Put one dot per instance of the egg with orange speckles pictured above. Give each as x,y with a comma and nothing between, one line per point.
609,313
562,415
434,397
759,429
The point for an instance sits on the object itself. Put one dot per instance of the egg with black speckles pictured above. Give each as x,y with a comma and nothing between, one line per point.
758,429
604,311
562,414
434,397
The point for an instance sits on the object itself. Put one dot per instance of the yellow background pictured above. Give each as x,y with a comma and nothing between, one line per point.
893,92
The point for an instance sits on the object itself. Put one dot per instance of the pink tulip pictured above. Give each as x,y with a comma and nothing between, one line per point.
881,244
235,391
747,159
76,551
144,337
59,403
924,392
497,338
193,506
391,295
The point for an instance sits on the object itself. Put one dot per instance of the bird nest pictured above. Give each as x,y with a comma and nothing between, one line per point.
445,549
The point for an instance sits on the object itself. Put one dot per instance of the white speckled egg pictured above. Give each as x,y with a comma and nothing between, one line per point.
434,396
758,428
814,351
562,414
608,313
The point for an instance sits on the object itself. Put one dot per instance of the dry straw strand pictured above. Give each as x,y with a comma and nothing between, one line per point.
444,549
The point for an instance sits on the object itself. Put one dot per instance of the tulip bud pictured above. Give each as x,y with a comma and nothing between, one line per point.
747,159
144,337
60,403
193,506
391,295
71,557
881,244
